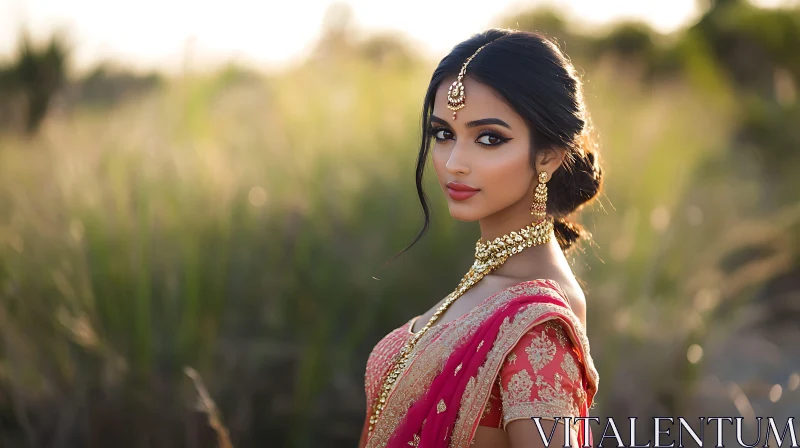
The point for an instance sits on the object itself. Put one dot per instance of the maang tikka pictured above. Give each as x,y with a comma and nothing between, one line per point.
455,96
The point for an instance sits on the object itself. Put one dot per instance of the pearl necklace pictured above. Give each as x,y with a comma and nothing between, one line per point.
488,257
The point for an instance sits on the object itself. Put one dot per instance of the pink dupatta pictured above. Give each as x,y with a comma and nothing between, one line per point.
431,419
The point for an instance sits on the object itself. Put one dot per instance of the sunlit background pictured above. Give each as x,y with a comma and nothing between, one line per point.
154,33
198,200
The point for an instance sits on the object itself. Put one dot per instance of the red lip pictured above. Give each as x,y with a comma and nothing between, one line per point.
460,187
461,195
460,192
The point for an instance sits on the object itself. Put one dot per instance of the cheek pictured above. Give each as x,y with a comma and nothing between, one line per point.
438,160
509,177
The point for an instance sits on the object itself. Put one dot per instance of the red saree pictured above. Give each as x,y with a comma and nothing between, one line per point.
447,390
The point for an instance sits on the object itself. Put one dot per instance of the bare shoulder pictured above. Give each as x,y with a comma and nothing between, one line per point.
575,296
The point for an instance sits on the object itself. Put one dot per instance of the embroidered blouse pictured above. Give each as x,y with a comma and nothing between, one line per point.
541,377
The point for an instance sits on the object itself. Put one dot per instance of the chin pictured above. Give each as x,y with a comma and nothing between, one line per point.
464,214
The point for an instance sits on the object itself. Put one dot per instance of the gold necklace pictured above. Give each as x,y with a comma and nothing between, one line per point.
488,257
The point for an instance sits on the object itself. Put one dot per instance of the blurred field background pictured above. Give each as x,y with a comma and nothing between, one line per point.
232,221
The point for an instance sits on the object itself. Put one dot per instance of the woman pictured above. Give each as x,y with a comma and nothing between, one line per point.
507,131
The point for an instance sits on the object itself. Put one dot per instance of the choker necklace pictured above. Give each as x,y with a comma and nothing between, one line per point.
488,257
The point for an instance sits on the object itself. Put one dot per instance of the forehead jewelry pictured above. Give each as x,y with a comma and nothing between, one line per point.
455,96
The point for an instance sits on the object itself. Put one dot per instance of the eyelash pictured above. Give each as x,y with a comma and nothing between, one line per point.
495,135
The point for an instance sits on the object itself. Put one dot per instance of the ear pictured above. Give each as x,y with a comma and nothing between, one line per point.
550,159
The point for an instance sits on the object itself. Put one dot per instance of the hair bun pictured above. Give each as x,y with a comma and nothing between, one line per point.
568,233
591,166
577,183
591,161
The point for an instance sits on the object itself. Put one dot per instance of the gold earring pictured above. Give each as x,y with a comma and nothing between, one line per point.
539,205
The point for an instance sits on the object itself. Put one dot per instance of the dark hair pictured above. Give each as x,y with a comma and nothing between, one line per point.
536,79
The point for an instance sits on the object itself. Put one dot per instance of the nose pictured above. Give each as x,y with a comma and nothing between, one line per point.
457,162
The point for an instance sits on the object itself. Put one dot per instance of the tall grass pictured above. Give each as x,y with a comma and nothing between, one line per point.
239,225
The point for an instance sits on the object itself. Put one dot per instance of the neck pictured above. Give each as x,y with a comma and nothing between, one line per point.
496,226
523,265
532,261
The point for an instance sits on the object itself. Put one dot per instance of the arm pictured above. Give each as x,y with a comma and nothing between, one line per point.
524,433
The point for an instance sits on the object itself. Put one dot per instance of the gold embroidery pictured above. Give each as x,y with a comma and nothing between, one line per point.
437,344
581,396
487,409
541,351
427,361
555,395
553,401
509,335
441,407
519,389
415,441
512,358
470,388
479,346
559,330
458,367
569,367
504,328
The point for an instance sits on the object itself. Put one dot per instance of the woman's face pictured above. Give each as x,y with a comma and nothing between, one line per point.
487,148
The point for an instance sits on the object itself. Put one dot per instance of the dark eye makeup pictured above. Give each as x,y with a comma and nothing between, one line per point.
491,138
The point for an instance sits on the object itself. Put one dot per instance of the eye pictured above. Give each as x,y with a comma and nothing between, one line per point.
441,134
491,139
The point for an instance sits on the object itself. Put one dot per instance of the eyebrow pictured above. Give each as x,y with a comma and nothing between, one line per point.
472,124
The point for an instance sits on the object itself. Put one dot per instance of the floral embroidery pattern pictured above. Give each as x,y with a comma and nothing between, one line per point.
518,389
569,367
432,349
512,331
541,351
556,397
514,336
562,337
548,385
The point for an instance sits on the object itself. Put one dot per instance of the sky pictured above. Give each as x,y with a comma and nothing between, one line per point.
159,34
